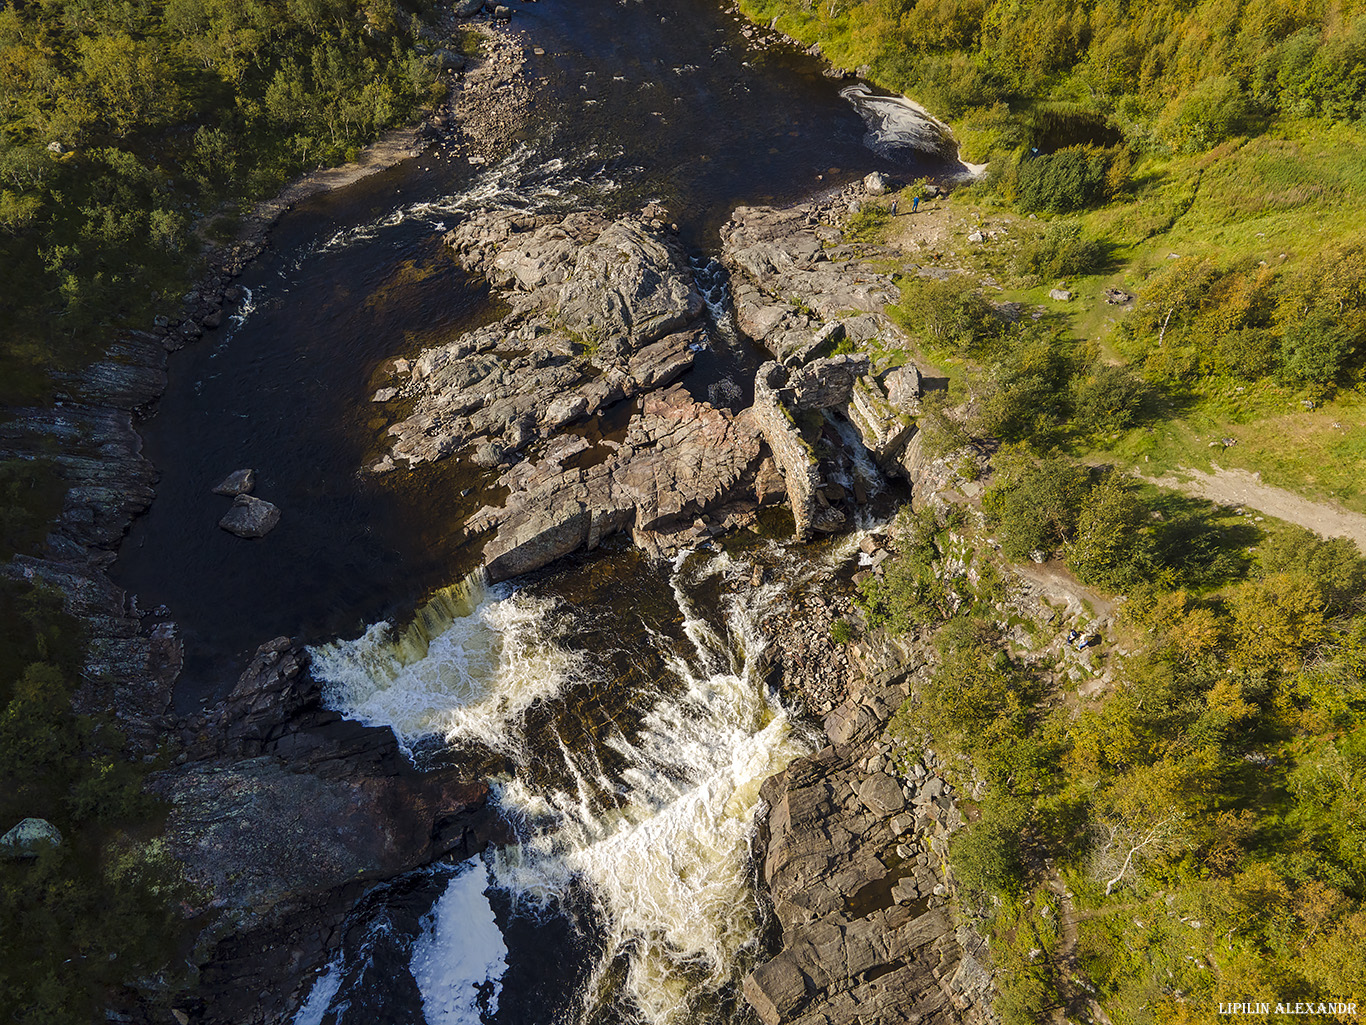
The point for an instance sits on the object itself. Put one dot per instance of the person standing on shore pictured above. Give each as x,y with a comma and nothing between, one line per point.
915,204
894,208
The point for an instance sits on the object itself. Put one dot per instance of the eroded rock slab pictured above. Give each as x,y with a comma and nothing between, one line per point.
850,857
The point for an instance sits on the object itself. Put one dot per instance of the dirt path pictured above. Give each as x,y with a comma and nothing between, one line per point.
1239,487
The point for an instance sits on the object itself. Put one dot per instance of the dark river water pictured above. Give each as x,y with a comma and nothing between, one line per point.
618,707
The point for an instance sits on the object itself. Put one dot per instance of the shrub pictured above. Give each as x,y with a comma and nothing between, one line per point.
951,312
1026,397
1110,546
1033,504
1073,178
868,225
841,631
1335,565
1060,251
1314,351
986,856
1105,399
1214,110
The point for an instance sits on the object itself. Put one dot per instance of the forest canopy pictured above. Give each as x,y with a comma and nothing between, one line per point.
131,131
1167,75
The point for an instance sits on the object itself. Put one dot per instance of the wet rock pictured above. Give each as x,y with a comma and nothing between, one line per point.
239,482
250,517
29,839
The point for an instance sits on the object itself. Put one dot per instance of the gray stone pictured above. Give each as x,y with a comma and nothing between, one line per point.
904,388
882,794
384,395
929,790
467,8
28,839
1061,295
239,482
250,517
775,989
875,184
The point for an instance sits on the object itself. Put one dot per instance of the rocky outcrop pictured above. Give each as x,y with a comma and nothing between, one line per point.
791,276
851,855
795,284
88,441
605,318
679,460
795,457
28,839
567,399
281,813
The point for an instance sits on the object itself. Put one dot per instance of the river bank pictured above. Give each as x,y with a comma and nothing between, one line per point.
270,747
293,754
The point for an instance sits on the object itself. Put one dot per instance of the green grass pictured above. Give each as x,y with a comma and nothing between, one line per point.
1279,198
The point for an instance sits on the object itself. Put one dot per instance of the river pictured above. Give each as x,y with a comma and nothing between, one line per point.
618,707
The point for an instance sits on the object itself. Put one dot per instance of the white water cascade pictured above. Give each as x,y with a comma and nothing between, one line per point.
649,824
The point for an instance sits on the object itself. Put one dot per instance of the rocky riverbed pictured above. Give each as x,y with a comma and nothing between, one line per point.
578,408
572,404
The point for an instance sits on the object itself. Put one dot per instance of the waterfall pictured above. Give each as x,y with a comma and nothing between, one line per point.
646,821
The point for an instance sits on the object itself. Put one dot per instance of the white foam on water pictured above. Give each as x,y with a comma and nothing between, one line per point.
320,996
669,864
895,122
460,957
467,669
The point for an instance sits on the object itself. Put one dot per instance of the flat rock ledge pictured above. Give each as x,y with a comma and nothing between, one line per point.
850,851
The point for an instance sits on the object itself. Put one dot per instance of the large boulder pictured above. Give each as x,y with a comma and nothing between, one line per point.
826,383
29,839
250,517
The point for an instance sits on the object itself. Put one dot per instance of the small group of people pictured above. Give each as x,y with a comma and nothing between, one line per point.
915,205
1080,640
